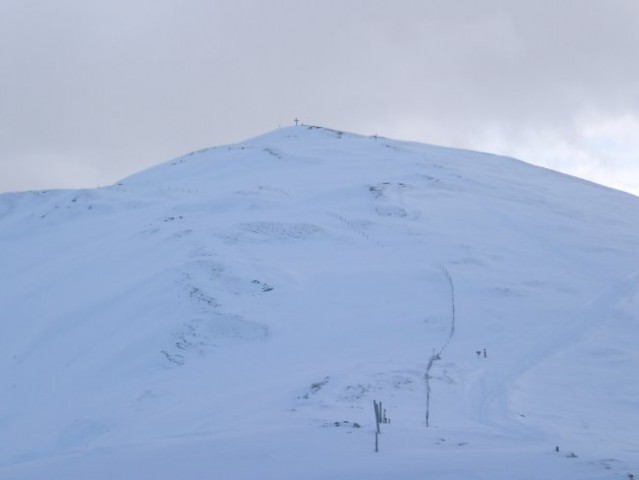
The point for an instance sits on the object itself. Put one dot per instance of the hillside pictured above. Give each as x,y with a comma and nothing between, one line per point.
233,313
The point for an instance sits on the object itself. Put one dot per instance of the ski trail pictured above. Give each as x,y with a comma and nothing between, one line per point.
492,408
437,355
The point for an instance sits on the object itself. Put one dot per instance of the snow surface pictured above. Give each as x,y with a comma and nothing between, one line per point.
232,314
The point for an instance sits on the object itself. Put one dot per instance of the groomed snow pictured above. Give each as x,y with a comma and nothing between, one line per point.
232,314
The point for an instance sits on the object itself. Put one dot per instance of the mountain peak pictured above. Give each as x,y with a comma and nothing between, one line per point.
296,131
251,301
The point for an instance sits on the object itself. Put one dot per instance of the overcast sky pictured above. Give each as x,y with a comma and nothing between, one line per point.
93,91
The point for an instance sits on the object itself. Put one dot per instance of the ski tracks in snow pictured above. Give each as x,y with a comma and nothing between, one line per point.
492,408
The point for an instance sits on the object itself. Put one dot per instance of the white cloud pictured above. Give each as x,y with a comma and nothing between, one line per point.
604,150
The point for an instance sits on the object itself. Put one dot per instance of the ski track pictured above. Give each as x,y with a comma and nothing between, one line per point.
492,408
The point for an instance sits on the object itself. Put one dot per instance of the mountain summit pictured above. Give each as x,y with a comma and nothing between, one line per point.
234,313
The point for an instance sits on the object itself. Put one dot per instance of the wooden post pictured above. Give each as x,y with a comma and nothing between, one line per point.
380,417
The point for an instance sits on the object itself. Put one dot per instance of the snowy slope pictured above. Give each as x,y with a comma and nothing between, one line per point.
233,314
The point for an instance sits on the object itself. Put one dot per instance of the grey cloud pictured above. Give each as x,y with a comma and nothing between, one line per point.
117,86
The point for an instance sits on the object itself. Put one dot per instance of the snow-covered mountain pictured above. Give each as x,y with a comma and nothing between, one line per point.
232,314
